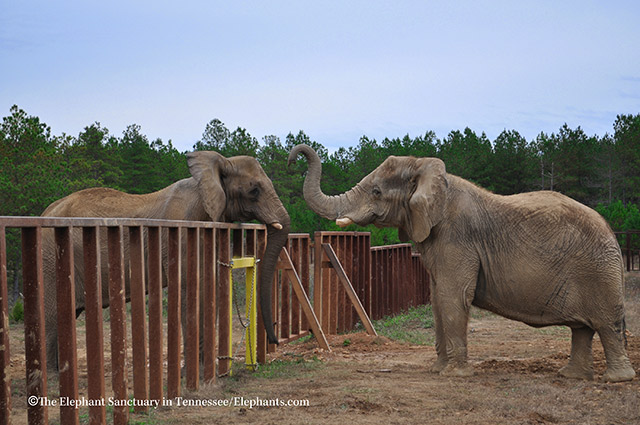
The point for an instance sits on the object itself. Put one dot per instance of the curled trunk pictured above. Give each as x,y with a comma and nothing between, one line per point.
330,207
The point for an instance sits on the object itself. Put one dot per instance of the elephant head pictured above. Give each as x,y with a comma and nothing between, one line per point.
396,194
238,189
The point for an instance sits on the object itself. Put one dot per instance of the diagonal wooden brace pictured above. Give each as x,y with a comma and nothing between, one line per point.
342,275
304,300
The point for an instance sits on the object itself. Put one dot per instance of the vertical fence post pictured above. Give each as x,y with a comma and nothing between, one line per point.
209,305
628,249
66,306
192,358
261,243
35,352
154,264
93,323
285,286
224,303
295,306
138,319
5,382
118,319
174,260
304,276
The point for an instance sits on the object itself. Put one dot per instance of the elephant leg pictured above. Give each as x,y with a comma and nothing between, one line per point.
618,365
454,303
442,360
580,364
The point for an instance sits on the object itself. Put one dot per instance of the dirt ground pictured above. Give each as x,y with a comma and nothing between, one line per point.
374,380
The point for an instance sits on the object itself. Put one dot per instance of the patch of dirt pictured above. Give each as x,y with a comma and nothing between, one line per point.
373,380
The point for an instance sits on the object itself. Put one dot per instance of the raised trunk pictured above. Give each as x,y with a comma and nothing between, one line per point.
276,239
331,207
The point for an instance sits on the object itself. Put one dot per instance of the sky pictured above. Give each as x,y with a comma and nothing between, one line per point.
337,70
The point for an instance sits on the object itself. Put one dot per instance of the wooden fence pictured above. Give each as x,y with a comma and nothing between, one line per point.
387,279
630,245
205,246
136,257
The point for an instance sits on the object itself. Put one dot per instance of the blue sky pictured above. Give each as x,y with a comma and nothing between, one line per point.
335,69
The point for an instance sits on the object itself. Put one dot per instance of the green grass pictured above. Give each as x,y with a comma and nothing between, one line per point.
412,326
286,368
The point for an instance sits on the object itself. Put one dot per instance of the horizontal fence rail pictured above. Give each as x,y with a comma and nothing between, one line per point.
132,258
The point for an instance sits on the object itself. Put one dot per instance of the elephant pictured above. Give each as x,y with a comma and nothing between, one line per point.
219,189
541,258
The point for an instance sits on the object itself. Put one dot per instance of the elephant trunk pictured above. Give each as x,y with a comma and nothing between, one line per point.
330,207
277,237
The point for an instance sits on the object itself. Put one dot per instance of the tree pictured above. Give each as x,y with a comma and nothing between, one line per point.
513,165
467,155
214,138
546,148
627,142
33,171
32,175
217,137
578,154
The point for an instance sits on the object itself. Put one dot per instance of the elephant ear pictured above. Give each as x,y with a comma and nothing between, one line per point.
426,204
207,168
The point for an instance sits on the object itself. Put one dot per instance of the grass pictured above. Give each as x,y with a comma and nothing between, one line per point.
278,368
412,326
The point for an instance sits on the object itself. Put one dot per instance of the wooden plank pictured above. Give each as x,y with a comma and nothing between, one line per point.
5,355
209,305
192,357
174,294
295,305
347,286
318,287
334,289
138,317
93,323
35,347
117,312
66,305
305,303
304,275
261,243
224,302
18,221
285,304
154,264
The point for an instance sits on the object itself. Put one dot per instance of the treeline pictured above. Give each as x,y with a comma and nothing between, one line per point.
36,167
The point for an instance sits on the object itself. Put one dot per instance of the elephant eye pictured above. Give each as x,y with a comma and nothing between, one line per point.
255,192
376,192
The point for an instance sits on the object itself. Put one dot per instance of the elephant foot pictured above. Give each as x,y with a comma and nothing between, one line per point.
620,374
572,371
439,365
460,370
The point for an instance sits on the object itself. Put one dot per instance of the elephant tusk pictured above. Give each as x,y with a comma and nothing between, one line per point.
343,222
277,225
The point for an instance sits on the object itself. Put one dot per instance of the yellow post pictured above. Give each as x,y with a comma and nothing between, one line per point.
252,315
251,335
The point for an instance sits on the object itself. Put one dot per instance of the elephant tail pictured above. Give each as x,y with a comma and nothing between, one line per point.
624,332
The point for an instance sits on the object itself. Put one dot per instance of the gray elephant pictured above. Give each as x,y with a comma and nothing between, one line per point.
540,258
220,189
